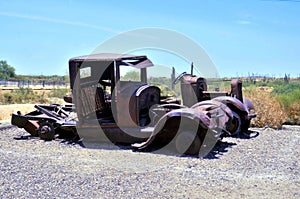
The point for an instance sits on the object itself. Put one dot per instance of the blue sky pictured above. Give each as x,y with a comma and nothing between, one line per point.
241,37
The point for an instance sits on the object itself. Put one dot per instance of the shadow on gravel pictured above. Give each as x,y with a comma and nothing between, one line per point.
70,140
219,149
22,137
222,146
249,135
25,137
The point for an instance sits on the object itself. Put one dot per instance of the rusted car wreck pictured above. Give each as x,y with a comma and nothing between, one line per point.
132,112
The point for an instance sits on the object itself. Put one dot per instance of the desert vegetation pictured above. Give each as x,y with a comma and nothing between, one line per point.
276,102
30,96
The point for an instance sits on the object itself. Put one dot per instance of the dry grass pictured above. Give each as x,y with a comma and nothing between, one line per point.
269,111
7,110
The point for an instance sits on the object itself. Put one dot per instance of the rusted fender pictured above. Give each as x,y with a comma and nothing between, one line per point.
218,112
232,101
245,107
248,104
169,125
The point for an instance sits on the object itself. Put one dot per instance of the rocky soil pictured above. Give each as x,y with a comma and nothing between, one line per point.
263,166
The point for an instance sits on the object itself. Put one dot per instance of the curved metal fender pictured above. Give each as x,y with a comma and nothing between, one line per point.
232,101
219,113
212,105
248,104
163,132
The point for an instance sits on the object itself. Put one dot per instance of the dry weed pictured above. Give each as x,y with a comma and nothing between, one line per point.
269,111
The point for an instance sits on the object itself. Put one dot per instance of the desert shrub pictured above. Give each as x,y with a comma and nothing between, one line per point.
285,88
269,111
288,100
25,95
291,103
21,96
288,95
7,98
43,98
58,93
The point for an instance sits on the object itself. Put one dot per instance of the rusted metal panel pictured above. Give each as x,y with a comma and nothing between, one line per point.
168,126
236,89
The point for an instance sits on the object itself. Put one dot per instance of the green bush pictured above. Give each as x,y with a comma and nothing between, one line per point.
285,88
21,96
288,95
289,99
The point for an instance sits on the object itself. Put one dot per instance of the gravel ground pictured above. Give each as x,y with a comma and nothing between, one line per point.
265,166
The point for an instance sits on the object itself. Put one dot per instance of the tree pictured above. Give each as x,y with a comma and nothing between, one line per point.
6,71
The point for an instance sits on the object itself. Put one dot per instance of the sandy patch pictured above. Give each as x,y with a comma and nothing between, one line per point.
7,110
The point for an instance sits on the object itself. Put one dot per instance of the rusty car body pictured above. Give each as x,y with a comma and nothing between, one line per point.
134,112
